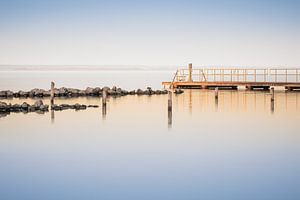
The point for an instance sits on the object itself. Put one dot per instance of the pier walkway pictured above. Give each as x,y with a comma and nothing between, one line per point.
232,78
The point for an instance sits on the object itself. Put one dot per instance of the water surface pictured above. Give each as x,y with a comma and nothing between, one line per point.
235,148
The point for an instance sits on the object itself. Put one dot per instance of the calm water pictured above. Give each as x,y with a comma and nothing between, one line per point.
236,148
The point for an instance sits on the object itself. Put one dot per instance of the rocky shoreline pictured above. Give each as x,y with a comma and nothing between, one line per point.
40,107
72,92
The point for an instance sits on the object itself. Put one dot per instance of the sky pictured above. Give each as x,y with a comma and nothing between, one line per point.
157,32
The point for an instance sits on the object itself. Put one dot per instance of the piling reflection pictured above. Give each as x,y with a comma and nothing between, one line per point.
169,118
216,104
237,101
170,109
103,111
51,106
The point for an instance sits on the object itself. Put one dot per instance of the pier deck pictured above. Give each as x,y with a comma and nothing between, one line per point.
233,78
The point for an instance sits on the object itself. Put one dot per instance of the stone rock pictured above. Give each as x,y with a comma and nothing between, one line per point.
25,106
43,108
93,106
62,91
105,88
23,94
132,92
89,91
6,94
2,93
36,92
4,107
9,94
38,103
139,92
56,107
96,91
178,91
15,108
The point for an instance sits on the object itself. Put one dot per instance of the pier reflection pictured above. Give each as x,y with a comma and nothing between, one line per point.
169,119
236,101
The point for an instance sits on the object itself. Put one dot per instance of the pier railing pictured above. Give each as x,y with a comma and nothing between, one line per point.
274,75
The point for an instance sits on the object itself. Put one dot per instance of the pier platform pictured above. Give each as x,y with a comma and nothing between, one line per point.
233,78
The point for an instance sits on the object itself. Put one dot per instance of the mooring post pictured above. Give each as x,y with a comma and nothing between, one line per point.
52,94
216,93
190,69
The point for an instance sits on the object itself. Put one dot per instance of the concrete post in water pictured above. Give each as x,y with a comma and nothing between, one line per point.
190,68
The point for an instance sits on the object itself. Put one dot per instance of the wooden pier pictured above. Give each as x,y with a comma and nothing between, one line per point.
232,78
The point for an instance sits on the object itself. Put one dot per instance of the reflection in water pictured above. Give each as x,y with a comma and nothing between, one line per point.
52,116
170,118
104,111
216,104
170,104
272,107
190,101
51,110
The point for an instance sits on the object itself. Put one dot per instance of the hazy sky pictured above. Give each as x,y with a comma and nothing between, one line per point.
152,32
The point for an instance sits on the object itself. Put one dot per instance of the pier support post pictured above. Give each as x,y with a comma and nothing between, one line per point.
272,94
190,71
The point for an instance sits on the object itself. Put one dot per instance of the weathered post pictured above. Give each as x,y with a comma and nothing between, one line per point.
190,71
170,109
52,94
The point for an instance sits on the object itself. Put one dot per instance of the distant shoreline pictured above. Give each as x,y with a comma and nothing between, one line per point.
83,68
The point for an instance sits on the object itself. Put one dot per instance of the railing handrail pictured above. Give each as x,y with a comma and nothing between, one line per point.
240,74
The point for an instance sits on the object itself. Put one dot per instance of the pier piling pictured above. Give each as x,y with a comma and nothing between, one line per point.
272,94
